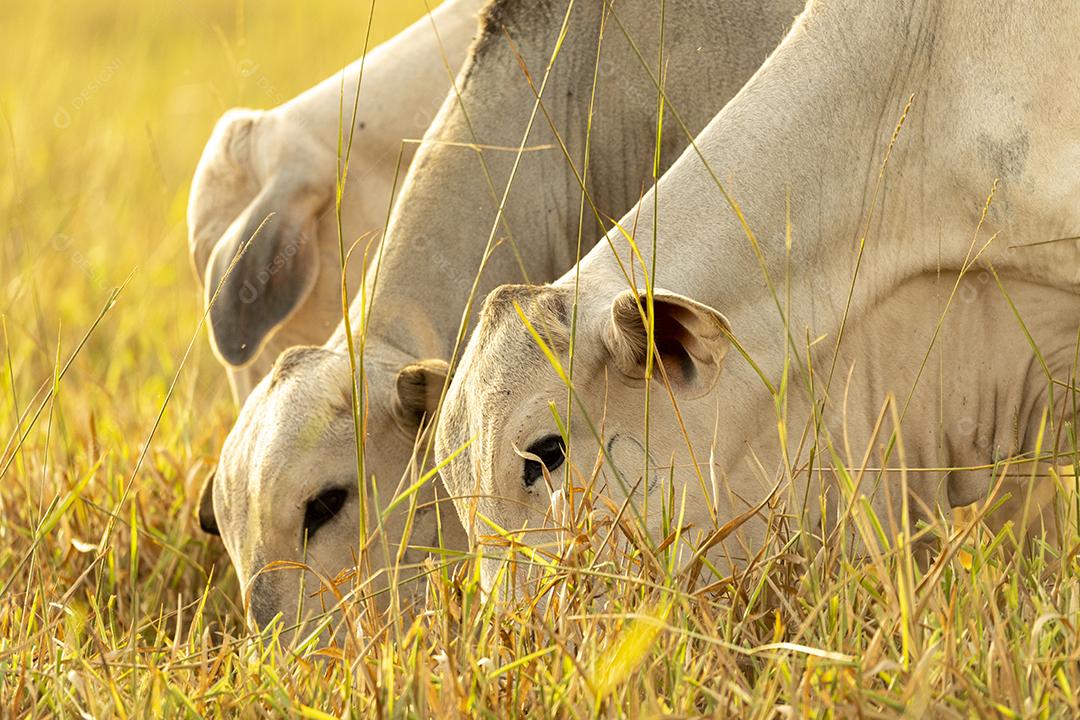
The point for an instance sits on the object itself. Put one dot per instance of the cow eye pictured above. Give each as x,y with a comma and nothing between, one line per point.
551,451
322,509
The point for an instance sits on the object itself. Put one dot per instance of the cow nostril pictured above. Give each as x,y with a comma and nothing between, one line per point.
322,509
263,607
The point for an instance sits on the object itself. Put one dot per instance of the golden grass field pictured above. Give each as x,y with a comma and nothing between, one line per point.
113,604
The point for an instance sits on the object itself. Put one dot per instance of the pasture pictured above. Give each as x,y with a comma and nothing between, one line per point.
113,410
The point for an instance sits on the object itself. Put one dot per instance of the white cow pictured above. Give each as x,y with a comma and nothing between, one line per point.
288,468
805,142
277,169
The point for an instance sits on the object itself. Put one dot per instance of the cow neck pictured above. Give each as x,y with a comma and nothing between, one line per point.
402,86
436,243
802,147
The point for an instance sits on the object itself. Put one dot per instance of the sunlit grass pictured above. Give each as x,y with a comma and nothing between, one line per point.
113,604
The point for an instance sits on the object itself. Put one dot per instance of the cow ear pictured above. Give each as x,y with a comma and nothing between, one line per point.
207,519
419,386
275,272
691,339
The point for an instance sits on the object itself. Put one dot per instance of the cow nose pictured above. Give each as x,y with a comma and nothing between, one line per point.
263,600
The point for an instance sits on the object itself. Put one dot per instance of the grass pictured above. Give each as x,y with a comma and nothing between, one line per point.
114,605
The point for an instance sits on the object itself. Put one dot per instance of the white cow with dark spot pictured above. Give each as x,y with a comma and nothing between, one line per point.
801,148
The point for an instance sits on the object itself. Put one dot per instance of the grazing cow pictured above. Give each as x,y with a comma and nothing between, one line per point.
288,468
803,148
275,172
